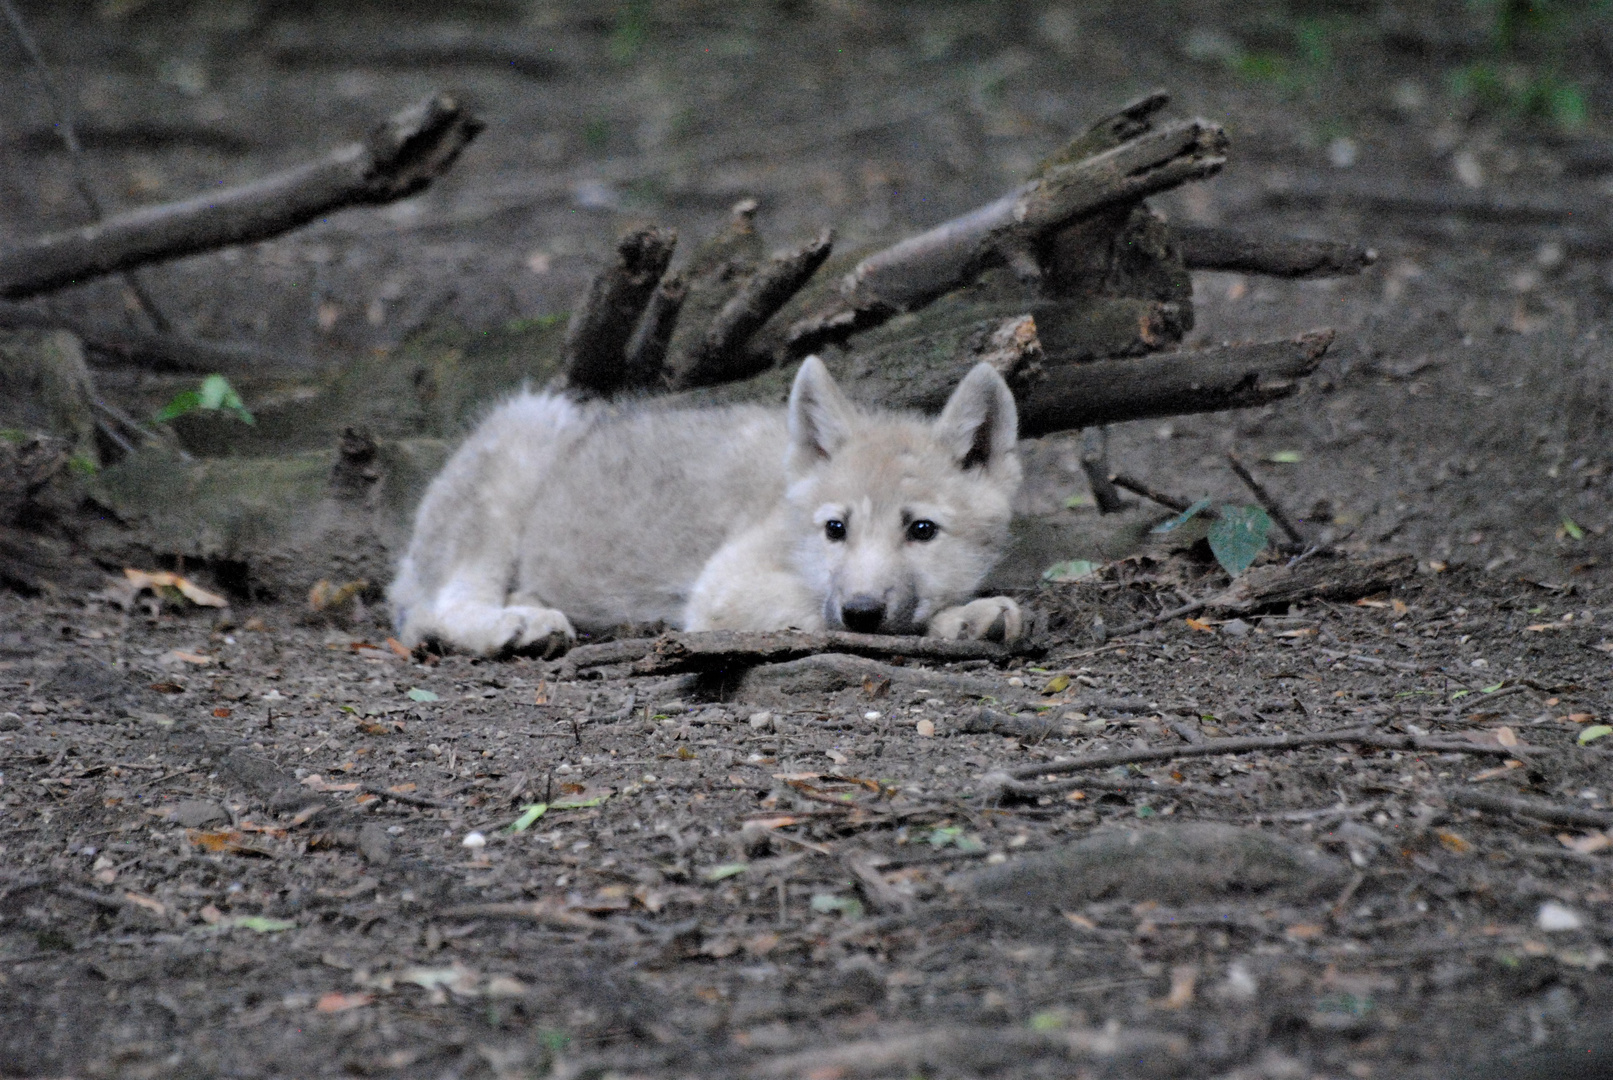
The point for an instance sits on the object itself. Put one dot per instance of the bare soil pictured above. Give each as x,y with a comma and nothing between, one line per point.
235,845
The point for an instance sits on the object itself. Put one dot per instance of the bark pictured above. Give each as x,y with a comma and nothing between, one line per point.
597,337
646,350
716,650
915,271
1078,395
1205,248
1314,579
399,158
723,356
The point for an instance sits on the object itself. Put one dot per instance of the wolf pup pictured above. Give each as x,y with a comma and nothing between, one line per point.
556,516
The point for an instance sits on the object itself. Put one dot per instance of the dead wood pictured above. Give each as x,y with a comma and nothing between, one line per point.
1539,809
673,653
1139,487
646,349
1425,201
1005,781
403,46
1314,579
597,337
722,356
399,158
915,271
1206,248
1078,395
828,673
880,894
1095,466
153,351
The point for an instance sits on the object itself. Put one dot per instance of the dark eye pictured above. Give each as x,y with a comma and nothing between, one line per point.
923,531
834,529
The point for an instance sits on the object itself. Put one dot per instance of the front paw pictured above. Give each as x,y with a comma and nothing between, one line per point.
542,632
991,618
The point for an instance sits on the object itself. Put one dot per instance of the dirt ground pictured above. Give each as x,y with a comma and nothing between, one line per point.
235,844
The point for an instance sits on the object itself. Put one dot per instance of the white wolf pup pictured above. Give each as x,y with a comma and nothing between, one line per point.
556,516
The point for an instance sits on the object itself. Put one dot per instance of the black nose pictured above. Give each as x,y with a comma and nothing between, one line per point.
863,613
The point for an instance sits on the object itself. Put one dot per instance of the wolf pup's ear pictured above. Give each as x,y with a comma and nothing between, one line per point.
980,423
820,415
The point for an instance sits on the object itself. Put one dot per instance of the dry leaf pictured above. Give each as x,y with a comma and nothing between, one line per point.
141,580
1304,931
1200,624
324,595
1184,977
1587,844
925,728
1453,843
152,905
1506,736
335,1002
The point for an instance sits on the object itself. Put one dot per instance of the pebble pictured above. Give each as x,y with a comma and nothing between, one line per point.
761,721
1236,628
1553,917
474,840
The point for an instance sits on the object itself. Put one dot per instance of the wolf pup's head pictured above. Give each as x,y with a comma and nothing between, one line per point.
897,518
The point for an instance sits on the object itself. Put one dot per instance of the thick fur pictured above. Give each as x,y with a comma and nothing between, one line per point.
555,517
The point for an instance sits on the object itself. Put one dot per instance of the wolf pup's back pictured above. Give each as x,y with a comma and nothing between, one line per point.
556,516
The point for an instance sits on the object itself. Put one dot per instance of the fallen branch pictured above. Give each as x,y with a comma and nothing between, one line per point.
646,350
713,650
1249,744
148,350
1206,248
827,673
1167,384
423,47
601,327
1539,809
403,797
913,272
543,912
398,159
1139,487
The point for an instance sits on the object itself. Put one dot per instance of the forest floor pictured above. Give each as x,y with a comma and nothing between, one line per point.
235,844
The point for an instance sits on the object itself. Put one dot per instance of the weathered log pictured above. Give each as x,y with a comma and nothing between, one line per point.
1314,579
414,47
597,336
920,268
398,159
1081,395
1539,809
723,356
1206,248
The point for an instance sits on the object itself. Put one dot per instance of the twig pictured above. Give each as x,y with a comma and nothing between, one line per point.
1539,809
405,798
646,349
881,894
599,331
538,911
157,352
1154,620
68,130
1095,464
1138,487
399,158
1264,497
678,652
1255,743
105,428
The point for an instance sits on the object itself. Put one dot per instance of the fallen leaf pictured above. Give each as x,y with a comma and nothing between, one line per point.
837,757
1453,843
149,903
1056,685
529,814
1580,717
397,647
325,596
1304,931
180,656
1400,607
225,842
1200,624
258,924
211,915
1076,796
1587,844
1184,977
725,870
925,728
417,694
1506,736
1594,732
158,580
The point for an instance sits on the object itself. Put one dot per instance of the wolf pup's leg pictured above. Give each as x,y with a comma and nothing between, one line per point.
993,618
454,585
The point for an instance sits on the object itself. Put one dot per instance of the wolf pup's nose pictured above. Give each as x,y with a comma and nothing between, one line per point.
863,613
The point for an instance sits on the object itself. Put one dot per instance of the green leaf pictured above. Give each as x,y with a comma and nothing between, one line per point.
1238,535
577,804
1181,519
417,694
1493,687
1076,501
83,464
214,395
1594,732
848,906
1460,694
1070,570
1146,811
1571,527
186,401
1285,457
262,924
726,870
529,814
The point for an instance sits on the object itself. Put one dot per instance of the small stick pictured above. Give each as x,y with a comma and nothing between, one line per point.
402,797
1138,487
1254,743
1556,813
1264,497
1154,620
646,349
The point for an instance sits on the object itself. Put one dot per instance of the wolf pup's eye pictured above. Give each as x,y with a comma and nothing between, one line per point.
834,529
923,531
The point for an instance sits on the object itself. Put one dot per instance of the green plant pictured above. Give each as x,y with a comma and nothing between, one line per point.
214,395
1236,535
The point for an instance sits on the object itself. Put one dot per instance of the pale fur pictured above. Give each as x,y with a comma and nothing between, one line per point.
554,517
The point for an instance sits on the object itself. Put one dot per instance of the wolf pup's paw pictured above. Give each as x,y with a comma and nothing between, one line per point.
518,628
991,618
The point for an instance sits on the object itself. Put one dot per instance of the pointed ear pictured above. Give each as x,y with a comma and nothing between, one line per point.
980,423
820,415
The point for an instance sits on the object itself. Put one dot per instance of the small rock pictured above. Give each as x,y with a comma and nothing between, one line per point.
1236,628
762,721
1553,917
375,845
10,721
194,813
474,840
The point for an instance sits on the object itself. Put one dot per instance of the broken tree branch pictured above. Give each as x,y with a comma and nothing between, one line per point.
152,351
676,652
1167,384
722,356
646,349
1207,248
597,336
398,159
909,274
1139,487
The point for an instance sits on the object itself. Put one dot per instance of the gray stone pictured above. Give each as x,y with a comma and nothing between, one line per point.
194,813
374,844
